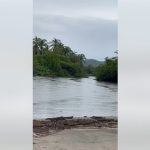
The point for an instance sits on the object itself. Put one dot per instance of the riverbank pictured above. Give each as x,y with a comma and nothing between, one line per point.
72,133
49,126
78,139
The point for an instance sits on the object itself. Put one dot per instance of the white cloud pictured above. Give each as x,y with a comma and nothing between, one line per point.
87,26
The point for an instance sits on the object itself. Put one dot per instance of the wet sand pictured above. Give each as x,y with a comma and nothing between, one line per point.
78,139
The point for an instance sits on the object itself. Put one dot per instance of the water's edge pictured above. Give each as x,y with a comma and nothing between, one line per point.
51,125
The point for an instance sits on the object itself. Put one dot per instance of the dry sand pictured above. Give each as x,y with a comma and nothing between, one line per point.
78,139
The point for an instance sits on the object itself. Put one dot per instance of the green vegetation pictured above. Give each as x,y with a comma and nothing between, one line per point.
55,59
108,71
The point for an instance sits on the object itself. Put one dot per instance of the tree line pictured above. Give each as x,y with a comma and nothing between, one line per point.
56,59
53,58
108,71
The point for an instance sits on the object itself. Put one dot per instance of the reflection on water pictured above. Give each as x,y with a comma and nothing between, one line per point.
53,97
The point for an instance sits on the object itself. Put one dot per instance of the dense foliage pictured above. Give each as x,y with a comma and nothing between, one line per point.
108,71
55,59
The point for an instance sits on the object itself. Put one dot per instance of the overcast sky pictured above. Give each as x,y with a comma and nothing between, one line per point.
87,26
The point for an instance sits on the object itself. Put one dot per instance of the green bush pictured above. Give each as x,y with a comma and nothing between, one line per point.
108,71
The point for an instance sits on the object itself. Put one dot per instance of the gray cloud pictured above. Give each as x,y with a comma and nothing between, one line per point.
91,30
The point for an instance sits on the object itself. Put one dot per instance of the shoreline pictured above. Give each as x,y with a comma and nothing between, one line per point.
48,126
78,139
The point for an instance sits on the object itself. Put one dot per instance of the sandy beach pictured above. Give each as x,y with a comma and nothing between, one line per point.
78,139
69,133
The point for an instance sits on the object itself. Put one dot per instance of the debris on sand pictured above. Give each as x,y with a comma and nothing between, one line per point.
52,125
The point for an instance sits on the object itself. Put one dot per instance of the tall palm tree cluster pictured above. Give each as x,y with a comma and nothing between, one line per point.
43,47
53,57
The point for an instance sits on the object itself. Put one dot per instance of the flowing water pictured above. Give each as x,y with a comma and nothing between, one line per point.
55,97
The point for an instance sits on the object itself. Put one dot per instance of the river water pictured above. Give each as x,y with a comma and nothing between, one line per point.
55,97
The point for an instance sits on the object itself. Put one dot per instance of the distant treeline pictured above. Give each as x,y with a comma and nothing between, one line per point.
58,60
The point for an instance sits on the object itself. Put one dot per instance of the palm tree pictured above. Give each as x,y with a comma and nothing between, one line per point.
39,46
56,44
36,47
43,46
67,51
82,58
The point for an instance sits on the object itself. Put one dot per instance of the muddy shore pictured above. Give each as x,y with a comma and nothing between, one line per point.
49,126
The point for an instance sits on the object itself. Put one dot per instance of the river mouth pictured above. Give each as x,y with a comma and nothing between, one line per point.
55,97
